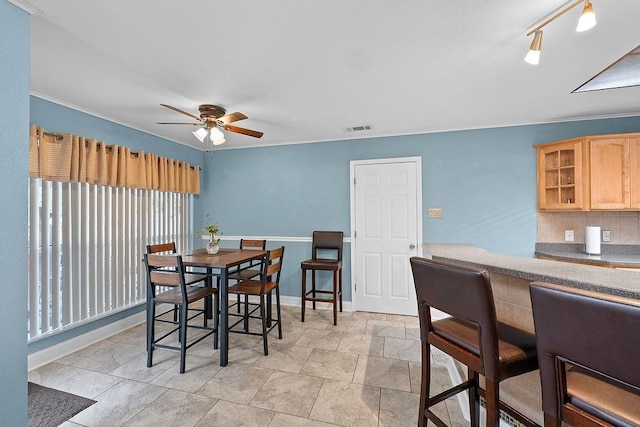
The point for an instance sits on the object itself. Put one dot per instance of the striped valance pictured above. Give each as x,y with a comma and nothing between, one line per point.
72,158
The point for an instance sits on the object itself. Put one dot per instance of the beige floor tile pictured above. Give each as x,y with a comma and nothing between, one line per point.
347,404
136,335
236,382
198,371
399,348
415,374
107,356
354,325
330,364
289,393
385,328
381,372
233,414
287,358
455,413
315,338
173,408
365,345
73,380
280,420
412,331
136,369
398,408
118,404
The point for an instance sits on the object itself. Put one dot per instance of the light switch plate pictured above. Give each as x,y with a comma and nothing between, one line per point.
568,235
606,235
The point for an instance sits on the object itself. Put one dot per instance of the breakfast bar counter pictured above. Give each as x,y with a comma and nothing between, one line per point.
606,280
510,279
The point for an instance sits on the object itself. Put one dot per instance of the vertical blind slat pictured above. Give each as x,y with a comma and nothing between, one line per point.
66,291
56,300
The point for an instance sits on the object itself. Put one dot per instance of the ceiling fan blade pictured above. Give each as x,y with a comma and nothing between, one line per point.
181,111
233,117
171,123
243,131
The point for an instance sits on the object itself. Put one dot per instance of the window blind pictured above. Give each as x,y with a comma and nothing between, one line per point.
86,244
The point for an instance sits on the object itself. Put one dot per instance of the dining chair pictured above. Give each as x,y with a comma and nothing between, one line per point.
164,248
589,355
472,335
168,283
268,283
323,241
247,271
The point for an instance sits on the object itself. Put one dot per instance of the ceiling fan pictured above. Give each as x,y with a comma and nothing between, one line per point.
211,118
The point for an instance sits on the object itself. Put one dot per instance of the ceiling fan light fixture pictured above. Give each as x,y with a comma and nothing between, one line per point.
216,136
201,134
533,56
587,19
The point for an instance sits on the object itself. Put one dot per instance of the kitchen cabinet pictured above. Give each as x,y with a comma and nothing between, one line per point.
614,172
561,175
590,173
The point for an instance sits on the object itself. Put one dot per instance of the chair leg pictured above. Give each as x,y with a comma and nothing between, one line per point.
551,421
474,398
263,317
246,313
335,296
216,319
278,313
492,396
238,303
340,294
313,288
183,334
303,294
424,385
151,315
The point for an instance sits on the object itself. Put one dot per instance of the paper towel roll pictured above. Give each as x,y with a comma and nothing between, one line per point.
592,240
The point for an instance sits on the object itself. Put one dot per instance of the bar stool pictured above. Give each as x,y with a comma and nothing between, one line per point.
324,240
472,335
589,355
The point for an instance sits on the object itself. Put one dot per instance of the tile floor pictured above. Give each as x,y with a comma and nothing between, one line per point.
363,372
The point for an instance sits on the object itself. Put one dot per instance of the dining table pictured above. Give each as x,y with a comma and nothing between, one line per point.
222,261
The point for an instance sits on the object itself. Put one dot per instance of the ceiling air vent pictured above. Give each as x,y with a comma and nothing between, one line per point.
359,128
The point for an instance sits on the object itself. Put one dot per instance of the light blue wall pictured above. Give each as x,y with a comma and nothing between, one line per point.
57,118
484,180
14,134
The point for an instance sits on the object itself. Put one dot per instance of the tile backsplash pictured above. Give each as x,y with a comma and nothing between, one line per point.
624,226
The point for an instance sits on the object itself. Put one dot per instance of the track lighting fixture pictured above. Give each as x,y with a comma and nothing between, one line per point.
586,22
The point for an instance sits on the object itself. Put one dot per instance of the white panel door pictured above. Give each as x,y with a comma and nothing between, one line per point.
386,236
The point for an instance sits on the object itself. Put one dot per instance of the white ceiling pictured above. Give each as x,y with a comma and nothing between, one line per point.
305,71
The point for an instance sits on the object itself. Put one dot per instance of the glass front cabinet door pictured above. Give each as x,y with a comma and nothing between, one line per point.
560,175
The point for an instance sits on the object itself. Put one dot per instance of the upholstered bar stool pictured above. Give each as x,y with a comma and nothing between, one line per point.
324,241
472,335
589,354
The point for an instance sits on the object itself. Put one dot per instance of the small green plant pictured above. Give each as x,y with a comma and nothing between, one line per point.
211,229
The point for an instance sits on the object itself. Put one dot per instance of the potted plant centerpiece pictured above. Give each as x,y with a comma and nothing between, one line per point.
212,246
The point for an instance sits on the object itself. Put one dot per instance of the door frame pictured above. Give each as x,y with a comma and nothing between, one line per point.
417,160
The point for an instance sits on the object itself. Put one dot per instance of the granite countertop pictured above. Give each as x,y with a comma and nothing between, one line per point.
606,280
611,255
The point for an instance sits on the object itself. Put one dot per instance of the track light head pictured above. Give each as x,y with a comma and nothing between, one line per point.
533,56
587,19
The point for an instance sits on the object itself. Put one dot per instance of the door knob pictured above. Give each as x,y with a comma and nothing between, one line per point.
412,246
